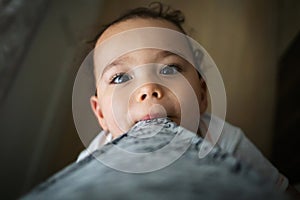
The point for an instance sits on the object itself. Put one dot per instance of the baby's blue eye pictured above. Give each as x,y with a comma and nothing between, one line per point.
170,69
120,78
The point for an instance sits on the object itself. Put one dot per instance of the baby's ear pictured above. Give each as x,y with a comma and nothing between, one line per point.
203,92
98,112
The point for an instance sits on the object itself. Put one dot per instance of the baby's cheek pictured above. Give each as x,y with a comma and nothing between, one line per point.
117,109
196,86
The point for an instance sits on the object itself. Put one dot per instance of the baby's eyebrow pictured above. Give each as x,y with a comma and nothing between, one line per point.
125,59
164,53
118,61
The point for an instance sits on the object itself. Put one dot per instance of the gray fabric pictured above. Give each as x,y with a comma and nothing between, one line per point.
216,176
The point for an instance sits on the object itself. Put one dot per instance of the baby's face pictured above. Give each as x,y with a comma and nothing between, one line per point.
146,84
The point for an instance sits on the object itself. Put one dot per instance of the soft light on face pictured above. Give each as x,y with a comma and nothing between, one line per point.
145,84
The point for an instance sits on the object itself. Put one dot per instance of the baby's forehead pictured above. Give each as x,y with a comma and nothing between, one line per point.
148,54
146,57
135,23
162,39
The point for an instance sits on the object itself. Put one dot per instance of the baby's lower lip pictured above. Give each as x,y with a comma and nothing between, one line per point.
147,117
152,116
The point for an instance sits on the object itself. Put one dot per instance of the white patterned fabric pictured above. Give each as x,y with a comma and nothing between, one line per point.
232,140
217,176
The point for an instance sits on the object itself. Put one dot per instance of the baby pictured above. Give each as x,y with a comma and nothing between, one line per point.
135,83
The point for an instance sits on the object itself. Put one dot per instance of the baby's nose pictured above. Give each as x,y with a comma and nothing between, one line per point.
148,91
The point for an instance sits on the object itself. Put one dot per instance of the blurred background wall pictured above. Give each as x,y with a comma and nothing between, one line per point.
245,38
